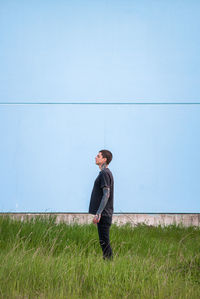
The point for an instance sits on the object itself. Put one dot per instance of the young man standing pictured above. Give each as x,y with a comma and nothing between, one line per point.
101,202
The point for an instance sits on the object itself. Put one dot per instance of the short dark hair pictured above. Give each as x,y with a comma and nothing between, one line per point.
107,154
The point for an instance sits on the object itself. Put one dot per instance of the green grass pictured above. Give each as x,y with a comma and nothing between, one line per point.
42,259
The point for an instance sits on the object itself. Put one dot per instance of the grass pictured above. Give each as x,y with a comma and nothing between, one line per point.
42,259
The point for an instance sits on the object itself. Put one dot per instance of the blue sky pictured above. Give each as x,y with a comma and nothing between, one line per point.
99,52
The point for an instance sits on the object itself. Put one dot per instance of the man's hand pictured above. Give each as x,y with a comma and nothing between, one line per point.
96,219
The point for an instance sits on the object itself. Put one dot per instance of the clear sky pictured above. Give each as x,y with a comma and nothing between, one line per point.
101,52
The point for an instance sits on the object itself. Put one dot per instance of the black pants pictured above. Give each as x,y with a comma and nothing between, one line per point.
104,240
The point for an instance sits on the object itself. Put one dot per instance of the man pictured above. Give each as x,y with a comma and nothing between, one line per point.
101,202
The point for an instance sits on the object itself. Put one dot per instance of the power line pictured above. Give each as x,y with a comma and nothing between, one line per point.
99,103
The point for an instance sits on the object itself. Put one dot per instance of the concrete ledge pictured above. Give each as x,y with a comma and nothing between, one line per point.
119,219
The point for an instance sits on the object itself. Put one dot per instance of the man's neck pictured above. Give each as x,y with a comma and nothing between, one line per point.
103,166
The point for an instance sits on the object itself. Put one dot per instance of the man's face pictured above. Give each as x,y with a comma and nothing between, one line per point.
99,159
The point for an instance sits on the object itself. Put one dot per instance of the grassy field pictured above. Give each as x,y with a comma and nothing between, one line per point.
42,259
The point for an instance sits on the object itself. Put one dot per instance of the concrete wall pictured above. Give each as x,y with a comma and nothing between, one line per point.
119,219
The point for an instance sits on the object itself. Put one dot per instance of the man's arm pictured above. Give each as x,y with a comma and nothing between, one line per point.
106,195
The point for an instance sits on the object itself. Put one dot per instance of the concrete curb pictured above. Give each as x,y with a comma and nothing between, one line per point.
119,219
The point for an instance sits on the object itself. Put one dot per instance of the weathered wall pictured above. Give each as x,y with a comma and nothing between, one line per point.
119,219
